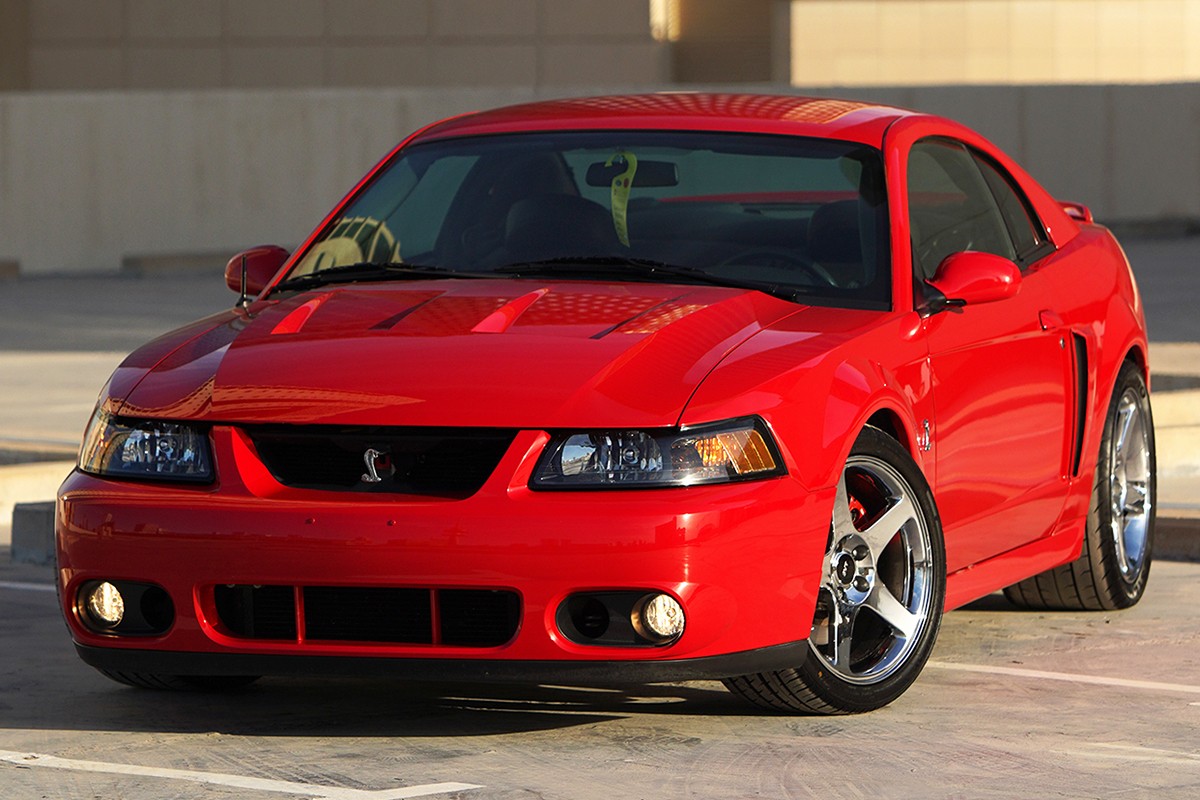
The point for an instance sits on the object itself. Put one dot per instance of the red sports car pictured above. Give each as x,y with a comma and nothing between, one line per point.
629,389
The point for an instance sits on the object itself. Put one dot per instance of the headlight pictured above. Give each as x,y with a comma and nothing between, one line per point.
145,449
736,450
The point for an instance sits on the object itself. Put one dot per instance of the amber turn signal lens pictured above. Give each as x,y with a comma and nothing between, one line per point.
744,451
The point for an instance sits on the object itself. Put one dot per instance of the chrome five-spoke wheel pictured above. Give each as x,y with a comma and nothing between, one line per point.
882,591
1130,479
879,575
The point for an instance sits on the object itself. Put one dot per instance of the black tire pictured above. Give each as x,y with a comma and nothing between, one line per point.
1114,565
180,683
894,566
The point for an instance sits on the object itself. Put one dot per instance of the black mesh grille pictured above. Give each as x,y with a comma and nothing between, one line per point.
478,617
465,617
258,612
347,614
446,462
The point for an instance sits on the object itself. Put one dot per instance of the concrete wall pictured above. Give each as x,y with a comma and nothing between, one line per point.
89,180
77,45
731,42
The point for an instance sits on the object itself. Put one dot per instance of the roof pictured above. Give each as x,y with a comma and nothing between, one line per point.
805,116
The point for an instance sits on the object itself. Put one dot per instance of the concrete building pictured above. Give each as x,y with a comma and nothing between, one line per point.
89,45
49,45
929,42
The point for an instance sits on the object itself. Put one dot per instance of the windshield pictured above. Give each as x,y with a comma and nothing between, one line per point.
804,214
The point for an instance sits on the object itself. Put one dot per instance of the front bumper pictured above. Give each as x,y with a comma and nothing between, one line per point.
743,559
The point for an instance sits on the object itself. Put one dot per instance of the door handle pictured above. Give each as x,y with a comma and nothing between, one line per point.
1049,319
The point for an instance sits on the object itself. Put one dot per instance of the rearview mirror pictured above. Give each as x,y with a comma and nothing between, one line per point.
262,263
970,278
647,173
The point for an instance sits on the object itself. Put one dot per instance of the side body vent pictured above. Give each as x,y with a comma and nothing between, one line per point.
1081,396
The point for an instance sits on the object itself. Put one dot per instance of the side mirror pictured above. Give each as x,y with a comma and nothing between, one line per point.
262,263
970,278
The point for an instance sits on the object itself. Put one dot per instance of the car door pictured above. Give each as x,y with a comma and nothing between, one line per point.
1000,370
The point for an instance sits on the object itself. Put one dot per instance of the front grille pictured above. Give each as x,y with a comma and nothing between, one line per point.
343,614
385,615
478,617
441,462
258,612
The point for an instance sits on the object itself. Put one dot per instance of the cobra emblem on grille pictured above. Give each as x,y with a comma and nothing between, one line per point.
376,462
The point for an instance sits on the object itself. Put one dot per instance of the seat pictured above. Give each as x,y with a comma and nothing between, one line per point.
547,226
835,241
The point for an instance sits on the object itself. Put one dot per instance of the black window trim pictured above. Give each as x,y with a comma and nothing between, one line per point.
1045,246
972,155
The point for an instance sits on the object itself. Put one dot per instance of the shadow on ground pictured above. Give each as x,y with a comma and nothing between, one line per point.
44,686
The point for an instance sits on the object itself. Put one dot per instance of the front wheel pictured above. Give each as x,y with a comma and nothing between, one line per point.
882,592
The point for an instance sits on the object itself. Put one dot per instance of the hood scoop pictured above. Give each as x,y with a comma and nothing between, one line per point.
295,321
503,318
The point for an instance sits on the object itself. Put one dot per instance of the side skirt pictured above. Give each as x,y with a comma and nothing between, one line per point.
977,580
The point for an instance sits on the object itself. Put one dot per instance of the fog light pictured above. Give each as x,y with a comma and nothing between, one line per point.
659,618
106,605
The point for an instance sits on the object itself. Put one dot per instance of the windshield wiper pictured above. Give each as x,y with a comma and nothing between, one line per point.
370,271
644,268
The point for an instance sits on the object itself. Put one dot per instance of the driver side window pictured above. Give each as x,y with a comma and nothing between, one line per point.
950,207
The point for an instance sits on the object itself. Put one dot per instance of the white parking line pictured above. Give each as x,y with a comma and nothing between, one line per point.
1071,677
27,587
236,781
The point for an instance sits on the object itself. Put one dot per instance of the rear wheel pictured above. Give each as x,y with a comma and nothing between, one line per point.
882,591
1112,570
180,683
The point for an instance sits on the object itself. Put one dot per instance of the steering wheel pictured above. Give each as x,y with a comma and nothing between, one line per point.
781,259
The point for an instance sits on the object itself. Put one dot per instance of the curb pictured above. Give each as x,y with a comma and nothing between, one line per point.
144,265
33,533
13,456
28,483
1177,538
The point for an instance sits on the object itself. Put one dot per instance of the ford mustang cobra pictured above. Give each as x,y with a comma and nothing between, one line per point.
633,388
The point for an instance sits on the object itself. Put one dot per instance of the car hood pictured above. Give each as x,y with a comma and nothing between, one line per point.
502,353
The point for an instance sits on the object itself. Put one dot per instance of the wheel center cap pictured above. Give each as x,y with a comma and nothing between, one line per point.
844,568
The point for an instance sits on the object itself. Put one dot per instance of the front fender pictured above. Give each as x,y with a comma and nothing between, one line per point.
817,392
